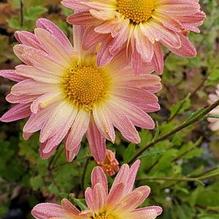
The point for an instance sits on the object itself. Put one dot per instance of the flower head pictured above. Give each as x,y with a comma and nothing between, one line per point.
138,28
65,95
121,201
214,122
110,165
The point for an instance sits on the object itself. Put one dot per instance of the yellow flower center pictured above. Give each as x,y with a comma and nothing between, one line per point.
86,85
104,215
137,11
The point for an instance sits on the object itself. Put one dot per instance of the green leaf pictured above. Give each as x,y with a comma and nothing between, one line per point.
34,12
212,173
128,153
180,106
208,196
80,203
36,182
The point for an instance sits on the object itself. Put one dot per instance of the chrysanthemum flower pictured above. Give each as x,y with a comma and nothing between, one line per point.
138,28
214,122
65,95
121,201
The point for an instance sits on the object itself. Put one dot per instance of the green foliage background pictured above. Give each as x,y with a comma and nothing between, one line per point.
182,170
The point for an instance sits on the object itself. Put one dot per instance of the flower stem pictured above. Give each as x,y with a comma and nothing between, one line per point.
198,179
167,178
21,13
197,117
84,173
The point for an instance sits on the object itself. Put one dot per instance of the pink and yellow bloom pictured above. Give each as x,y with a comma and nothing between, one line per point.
65,95
138,28
214,122
121,201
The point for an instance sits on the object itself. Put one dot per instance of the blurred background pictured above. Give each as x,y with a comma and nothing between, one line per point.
183,170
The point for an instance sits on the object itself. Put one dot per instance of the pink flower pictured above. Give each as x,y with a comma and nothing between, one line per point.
138,28
65,95
121,201
214,122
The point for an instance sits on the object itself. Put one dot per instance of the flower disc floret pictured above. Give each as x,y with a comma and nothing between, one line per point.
86,85
136,11
104,215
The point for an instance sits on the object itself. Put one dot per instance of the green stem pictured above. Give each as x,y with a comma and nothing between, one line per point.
208,208
84,173
185,124
179,108
21,13
184,178
214,116
167,178
54,159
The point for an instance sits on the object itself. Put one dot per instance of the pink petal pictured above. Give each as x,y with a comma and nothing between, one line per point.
31,87
137,116
187,49
39,75
11,75
98,176
56,32
71,154
122,176
132,175
36,121
115,195
78,129
47,210
75,4
95,198
17,112
28,39
37,58
99,196
20,99
49,153
54,47
158,59
135,198
103,122
103,55
60,134
81,18
69,207
44,101
150,212
56,120
91,38
143,46
124,125
89,198
97,143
